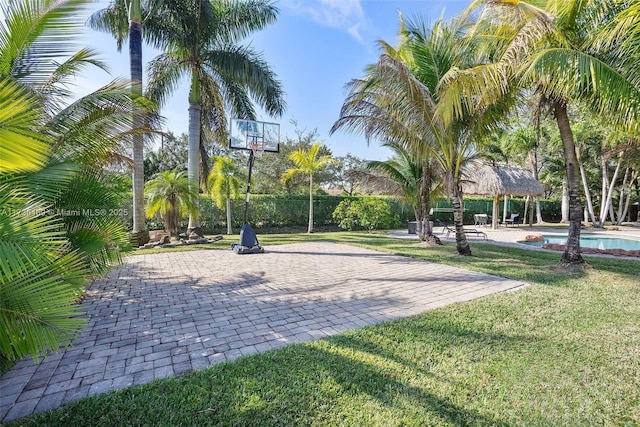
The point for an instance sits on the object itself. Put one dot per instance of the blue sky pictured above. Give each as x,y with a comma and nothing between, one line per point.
315,48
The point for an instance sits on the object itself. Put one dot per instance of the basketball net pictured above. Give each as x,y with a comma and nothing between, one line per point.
257,147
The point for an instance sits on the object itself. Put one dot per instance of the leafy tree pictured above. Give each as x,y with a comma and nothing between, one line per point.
225,182
171,195
566,50
308,162
172,154
269,168
200,40
345,173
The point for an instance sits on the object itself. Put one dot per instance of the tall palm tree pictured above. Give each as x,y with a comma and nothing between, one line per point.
123,19
225,184
308,163
563,50
170,195
201,41
418,71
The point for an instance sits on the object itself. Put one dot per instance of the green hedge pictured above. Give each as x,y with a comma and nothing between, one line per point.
269,213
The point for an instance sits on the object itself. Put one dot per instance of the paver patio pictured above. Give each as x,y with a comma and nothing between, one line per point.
165,314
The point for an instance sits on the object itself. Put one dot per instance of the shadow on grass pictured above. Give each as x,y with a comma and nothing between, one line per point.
319,384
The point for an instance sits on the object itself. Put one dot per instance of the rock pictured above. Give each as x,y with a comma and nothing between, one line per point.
534,237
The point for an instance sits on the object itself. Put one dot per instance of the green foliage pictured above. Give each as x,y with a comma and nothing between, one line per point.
369,213
225,180
56,205
170,195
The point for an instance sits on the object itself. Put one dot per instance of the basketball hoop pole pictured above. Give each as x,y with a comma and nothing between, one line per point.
246,196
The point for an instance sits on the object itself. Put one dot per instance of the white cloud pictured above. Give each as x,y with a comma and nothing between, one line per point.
345,15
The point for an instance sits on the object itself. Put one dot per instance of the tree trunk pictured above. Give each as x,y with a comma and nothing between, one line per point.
587,193
310,227
135,64
534,164
539,219
607,204
424,200
634,176
605,186
571,253
462,244
193,164
564,207
229,229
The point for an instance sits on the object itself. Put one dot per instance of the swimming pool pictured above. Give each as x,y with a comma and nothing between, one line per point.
602,243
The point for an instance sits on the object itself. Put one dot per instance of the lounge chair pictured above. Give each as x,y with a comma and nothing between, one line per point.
514,219
480,219
450,230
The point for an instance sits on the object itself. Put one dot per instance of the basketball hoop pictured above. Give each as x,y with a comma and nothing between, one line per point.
257,147
255,137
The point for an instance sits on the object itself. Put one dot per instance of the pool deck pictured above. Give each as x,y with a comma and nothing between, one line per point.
510,236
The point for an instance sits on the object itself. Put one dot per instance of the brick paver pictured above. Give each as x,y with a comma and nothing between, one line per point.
161,315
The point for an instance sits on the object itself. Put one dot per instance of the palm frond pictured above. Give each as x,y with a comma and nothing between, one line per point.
22,147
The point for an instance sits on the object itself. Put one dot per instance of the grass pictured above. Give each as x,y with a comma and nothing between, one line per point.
563,351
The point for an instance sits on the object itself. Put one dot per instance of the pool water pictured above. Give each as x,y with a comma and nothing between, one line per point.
592,242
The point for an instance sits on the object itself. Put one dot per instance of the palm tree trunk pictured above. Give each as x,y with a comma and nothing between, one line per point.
424,197
310,227
135,64
193,164
564,208
229,230
571,253
462,244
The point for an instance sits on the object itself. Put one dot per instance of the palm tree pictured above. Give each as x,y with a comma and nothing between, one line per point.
124,19
47,246
565,52
399,102
225,184
170,195
308,163
410,178
200,39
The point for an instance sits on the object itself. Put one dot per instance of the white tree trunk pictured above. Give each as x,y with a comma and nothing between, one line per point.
587,194
565,202
310,227
634,176
193,163
539,219
607,205
229,230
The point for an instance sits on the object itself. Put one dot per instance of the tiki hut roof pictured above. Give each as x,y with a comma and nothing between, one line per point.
497,179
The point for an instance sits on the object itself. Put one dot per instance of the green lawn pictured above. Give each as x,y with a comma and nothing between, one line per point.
563,351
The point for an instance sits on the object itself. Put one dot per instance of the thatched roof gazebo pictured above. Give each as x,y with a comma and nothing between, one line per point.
496,180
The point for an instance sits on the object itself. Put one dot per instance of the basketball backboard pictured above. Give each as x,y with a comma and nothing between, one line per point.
254,135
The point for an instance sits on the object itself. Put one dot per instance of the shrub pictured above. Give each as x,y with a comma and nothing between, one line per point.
370,213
